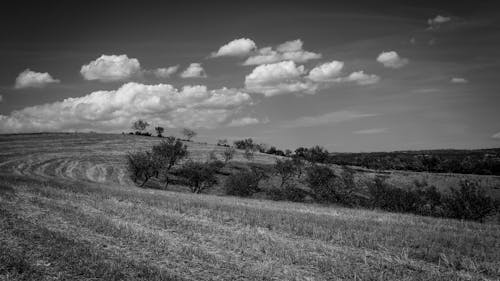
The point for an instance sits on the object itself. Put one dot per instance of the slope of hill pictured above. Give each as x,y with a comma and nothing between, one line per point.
69,212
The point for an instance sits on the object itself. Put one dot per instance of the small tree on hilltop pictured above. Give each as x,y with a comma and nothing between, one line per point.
159,131
139,126
188,133
168,153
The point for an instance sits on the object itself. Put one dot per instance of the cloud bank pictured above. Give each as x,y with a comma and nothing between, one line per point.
32,79
290,50
108,68
162,104
288,77
326,119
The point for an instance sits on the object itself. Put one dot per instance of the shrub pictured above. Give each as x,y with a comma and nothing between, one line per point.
140,125
141,166
198,176
469,202
222,142
328,187
244,144
245,183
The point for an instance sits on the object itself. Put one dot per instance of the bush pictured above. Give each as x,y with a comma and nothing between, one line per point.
286,170
228,154
244,144
198,176
469,202
330,188
245,183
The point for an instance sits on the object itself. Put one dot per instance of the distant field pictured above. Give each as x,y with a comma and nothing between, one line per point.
69,212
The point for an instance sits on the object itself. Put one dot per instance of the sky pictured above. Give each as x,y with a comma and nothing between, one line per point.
350,76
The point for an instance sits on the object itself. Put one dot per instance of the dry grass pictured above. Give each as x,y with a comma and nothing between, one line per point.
67,212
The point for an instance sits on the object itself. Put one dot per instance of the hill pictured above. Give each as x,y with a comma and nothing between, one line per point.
69,212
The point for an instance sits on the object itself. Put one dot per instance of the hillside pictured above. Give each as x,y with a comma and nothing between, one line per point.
69,212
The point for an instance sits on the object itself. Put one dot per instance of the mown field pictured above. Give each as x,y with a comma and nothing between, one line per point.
69,212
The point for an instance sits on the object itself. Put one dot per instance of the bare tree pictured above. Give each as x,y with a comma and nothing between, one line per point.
188,133
228,154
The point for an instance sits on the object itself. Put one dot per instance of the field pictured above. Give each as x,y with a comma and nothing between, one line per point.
69,212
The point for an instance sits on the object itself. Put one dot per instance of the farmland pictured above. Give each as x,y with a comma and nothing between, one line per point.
69,212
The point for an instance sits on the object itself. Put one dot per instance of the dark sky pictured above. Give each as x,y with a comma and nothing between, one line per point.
441,91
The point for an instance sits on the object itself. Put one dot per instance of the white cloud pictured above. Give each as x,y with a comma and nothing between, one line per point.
459,80
277,78
236,48
290,50
437,21
192,106
287,77
165,72
392,59
245,121
496,136
326,71
32,79
371,131
194,70
361,78
108,68
326,119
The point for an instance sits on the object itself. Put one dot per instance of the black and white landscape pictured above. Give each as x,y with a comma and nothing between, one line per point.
250,140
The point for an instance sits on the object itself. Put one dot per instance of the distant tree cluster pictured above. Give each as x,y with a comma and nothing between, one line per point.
480,162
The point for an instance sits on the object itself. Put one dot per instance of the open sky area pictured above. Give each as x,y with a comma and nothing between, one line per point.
346,75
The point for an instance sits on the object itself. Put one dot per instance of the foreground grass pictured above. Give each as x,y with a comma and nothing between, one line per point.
83,231
68,213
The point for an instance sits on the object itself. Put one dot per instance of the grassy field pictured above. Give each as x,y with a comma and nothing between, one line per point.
69,212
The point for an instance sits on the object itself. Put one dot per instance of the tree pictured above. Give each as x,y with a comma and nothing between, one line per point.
249,154
244,144
228,154
286,170
198,176
245,183
469,202
188,133
159,131
168,153
141,166
140,125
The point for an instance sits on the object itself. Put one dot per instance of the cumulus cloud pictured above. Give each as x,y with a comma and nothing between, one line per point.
194,70
276,78
459,80
288,77
290,50
107,68
191,106
326,71
245,121
32,79
236,48
326,119
371,131
165,72
496,136
392,59
361,78
437,21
